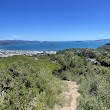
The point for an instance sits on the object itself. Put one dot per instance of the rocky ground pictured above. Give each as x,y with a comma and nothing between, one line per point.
71,94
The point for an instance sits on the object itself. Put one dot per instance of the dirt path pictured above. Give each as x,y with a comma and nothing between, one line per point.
73,93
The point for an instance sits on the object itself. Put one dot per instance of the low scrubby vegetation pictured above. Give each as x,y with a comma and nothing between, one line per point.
35,83
28,84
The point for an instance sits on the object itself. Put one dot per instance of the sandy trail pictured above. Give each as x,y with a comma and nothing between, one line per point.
73,93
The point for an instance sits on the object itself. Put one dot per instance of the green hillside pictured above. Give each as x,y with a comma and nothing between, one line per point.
35,83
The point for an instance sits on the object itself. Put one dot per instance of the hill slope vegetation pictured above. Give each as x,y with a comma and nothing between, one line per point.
36,82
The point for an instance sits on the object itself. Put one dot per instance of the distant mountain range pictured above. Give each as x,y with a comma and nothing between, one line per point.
12,42
103,39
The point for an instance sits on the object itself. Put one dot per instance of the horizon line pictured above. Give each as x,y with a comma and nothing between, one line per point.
54,40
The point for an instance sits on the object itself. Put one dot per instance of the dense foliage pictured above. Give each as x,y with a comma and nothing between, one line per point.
34,83
93,75
27,83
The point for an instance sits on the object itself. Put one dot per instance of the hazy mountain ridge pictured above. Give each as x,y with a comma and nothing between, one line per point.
11,42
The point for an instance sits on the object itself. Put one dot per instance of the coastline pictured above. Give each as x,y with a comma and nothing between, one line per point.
10,53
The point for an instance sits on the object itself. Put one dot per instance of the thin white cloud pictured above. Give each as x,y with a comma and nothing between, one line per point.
16,36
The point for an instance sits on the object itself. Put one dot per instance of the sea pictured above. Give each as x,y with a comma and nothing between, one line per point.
55,46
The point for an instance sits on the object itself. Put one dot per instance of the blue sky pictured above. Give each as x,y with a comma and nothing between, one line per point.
54,20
